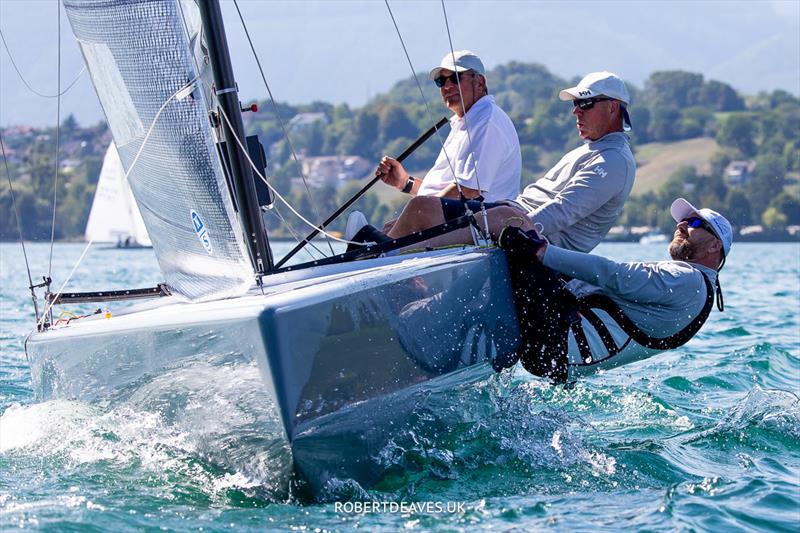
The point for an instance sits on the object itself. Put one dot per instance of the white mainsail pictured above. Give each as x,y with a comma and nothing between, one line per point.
114,216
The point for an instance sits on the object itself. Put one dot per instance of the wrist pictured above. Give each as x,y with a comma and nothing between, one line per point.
541,251
409,185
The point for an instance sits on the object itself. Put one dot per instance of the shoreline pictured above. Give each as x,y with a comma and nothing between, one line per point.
627,240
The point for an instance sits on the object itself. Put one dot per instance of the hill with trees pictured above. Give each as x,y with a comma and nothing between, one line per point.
691,129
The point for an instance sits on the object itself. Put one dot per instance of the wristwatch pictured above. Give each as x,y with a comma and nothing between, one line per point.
409,185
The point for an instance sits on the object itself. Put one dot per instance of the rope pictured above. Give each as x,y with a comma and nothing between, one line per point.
58,134
125,178
466,127
280,120
428,110
49,306
274,191
200,68
28,85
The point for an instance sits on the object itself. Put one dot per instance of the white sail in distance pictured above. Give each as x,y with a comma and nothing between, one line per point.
114,216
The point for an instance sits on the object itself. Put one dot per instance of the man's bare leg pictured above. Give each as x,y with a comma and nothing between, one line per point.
420,213
498,218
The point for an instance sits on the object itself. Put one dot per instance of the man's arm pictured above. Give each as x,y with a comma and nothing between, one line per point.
639,282
603,178
392,173
451,191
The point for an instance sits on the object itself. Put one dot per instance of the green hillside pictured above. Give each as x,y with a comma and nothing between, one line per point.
686,131
658,160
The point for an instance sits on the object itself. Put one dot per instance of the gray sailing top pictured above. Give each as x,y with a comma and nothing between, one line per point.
660,297
582,196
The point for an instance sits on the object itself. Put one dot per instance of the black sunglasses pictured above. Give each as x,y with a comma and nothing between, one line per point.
697,222
442,80
587,103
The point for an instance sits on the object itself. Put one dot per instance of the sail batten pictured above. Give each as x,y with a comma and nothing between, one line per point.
139,56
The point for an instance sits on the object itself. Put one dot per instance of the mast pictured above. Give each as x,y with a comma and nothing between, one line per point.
241,172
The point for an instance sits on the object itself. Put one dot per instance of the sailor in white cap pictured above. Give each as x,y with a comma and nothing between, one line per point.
479,159
577,201
481,152
611,313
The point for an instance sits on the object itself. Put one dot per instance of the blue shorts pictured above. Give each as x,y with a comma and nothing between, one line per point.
452,208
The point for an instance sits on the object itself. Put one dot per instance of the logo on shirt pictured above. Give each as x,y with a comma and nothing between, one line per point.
601,171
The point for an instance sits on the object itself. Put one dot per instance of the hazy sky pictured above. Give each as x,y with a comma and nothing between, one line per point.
347,51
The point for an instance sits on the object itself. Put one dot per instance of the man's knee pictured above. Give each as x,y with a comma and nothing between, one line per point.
505,215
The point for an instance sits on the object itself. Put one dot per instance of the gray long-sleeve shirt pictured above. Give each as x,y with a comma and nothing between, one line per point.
660,297
582,196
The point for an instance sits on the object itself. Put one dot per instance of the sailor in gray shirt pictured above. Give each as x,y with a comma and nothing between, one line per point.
613,313
575,203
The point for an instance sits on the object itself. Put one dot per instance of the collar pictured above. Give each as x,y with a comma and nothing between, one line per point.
484,102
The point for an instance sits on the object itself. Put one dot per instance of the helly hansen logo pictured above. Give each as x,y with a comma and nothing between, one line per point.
601,171
584,93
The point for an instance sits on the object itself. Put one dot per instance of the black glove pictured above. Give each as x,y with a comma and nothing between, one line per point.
520,243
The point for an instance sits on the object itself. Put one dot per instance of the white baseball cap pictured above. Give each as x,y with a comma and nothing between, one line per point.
459,61
598,84
682,209
601,84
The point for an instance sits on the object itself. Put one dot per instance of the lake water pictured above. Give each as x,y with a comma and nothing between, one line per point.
706,437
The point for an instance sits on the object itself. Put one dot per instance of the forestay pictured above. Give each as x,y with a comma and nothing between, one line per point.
139,56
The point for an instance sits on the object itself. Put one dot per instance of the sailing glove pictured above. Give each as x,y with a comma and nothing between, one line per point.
520,243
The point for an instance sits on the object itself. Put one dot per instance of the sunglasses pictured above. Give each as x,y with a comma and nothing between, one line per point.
697,222
442,80
587,103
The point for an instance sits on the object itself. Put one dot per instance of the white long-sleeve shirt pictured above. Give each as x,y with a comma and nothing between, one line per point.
661,298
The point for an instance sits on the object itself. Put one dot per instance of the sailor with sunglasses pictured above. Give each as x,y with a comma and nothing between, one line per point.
602,314
573,205
482,150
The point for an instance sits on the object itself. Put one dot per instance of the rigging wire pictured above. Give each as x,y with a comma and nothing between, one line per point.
280,120
19,224
200,70
466,125
58,134
28,85
422,92
275,191
146,138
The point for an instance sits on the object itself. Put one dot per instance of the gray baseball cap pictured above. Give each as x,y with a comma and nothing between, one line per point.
459,61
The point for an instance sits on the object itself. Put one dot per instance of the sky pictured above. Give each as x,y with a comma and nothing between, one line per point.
348,51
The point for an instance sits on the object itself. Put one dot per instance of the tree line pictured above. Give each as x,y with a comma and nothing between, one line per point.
671,106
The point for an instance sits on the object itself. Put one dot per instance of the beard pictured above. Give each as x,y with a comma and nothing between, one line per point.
681,249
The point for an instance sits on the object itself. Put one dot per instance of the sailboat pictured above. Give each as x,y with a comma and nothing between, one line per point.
114,216
344,345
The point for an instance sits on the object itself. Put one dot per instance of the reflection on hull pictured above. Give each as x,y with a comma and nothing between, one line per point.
344,352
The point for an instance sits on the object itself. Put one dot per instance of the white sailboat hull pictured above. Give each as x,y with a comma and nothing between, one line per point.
342,350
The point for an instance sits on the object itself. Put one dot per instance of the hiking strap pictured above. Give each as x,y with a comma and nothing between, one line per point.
587,304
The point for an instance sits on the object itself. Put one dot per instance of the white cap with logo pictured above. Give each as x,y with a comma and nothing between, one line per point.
601,84
598,84
459,61
682,209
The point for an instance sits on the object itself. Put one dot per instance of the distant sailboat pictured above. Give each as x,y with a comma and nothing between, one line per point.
654,237
114,216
